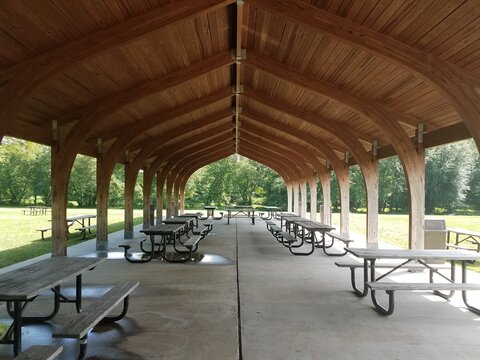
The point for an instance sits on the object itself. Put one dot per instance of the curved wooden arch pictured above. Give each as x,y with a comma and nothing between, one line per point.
26,77
459,86
340,168
296,172
413,163
106,164
188,161
368,166
325,180
209,145
264,141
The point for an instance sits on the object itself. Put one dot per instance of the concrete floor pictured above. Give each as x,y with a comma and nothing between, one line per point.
291,307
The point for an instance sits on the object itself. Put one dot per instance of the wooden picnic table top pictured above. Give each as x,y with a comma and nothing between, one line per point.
195,215
27,282
162,229
313,225
464,232
178,220
421,254
80,217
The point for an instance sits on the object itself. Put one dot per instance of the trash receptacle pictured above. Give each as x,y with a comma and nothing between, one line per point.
435,231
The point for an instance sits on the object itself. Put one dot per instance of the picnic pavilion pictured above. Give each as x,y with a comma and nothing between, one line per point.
305,87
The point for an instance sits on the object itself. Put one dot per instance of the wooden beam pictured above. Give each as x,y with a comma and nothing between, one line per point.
326,89
35,71
334,128
459,86
162,117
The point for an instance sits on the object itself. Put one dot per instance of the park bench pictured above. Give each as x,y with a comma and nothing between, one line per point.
82,323
40,352
335,236
44,230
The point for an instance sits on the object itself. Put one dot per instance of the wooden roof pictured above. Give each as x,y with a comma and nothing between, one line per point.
291,84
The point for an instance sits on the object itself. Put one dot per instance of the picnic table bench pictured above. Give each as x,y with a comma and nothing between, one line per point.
81,324
21,286
40,352
374,283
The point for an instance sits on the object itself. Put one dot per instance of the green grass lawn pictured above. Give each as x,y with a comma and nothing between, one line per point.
21,241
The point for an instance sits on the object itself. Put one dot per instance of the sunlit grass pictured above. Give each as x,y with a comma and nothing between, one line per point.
21,241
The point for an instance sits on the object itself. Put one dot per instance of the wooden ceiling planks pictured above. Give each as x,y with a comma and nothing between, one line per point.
167,40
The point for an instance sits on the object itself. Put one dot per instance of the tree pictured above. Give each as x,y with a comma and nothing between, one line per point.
82,185
17,159
358,196
442,178
392,186
472,192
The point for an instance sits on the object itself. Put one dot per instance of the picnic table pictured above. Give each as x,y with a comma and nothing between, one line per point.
246,212
166,232
308,230
186,221
36,210
210,211
284,219
271,211
370,257
196,216
463,236
80,220
22,286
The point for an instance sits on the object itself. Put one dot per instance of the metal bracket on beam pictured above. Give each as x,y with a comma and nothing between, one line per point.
420,133
237,89
127,156
54,130
241,56
347,157
375,149
99,146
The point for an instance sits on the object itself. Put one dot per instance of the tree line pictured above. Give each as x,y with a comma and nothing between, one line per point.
452,181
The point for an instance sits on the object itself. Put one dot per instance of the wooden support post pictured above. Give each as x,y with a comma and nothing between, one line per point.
169,197
147,189
344,191
417,197
326,213
60,175
160,184
182,200
289,197
371,185
130,179
103,182
303,198
313,198
296,199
